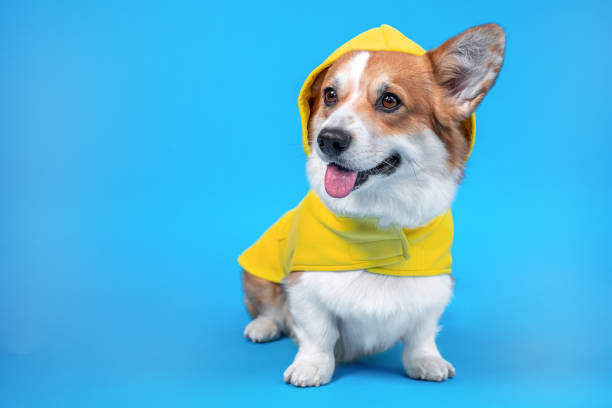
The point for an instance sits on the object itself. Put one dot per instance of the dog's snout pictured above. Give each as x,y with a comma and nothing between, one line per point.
332,142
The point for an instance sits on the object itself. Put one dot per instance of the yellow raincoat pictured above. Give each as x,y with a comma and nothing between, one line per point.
312,238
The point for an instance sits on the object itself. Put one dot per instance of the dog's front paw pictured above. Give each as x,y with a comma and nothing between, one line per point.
262,329
305,373
429,368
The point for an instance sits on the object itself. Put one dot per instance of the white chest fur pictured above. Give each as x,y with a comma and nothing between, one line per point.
371,312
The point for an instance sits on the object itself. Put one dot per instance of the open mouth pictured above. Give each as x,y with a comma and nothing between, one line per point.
340,181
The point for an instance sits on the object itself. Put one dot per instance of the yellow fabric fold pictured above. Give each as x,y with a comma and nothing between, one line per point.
312,238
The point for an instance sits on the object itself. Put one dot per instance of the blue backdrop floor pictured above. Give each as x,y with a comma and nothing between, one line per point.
144,146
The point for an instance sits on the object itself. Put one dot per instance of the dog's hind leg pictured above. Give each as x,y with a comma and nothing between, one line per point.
265,302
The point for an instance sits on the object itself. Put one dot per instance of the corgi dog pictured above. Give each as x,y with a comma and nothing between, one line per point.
388,128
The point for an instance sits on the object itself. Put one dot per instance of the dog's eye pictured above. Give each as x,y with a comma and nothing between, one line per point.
389,102
329,96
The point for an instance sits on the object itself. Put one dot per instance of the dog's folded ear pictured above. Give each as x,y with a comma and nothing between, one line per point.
467,65
315,88
316,96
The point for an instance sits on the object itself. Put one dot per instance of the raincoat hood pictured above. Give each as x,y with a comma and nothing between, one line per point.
312,238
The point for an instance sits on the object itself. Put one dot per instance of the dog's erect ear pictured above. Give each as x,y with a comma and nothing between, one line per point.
467,65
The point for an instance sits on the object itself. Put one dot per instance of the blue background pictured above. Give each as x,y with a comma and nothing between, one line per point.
144,146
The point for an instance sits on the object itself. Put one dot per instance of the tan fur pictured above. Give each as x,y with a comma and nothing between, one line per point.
262,297
316,99
260,294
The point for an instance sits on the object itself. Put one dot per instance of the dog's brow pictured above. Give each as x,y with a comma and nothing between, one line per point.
382,88
336,83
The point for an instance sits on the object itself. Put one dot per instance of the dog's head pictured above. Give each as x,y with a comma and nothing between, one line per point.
387,130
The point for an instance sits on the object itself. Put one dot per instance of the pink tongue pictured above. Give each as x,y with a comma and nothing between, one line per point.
339,182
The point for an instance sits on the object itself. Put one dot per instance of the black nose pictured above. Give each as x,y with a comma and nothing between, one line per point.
332,142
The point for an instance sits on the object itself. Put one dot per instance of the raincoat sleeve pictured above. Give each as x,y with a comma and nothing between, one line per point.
265,258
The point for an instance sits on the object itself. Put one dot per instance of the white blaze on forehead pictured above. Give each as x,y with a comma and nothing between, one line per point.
348,78
355,68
